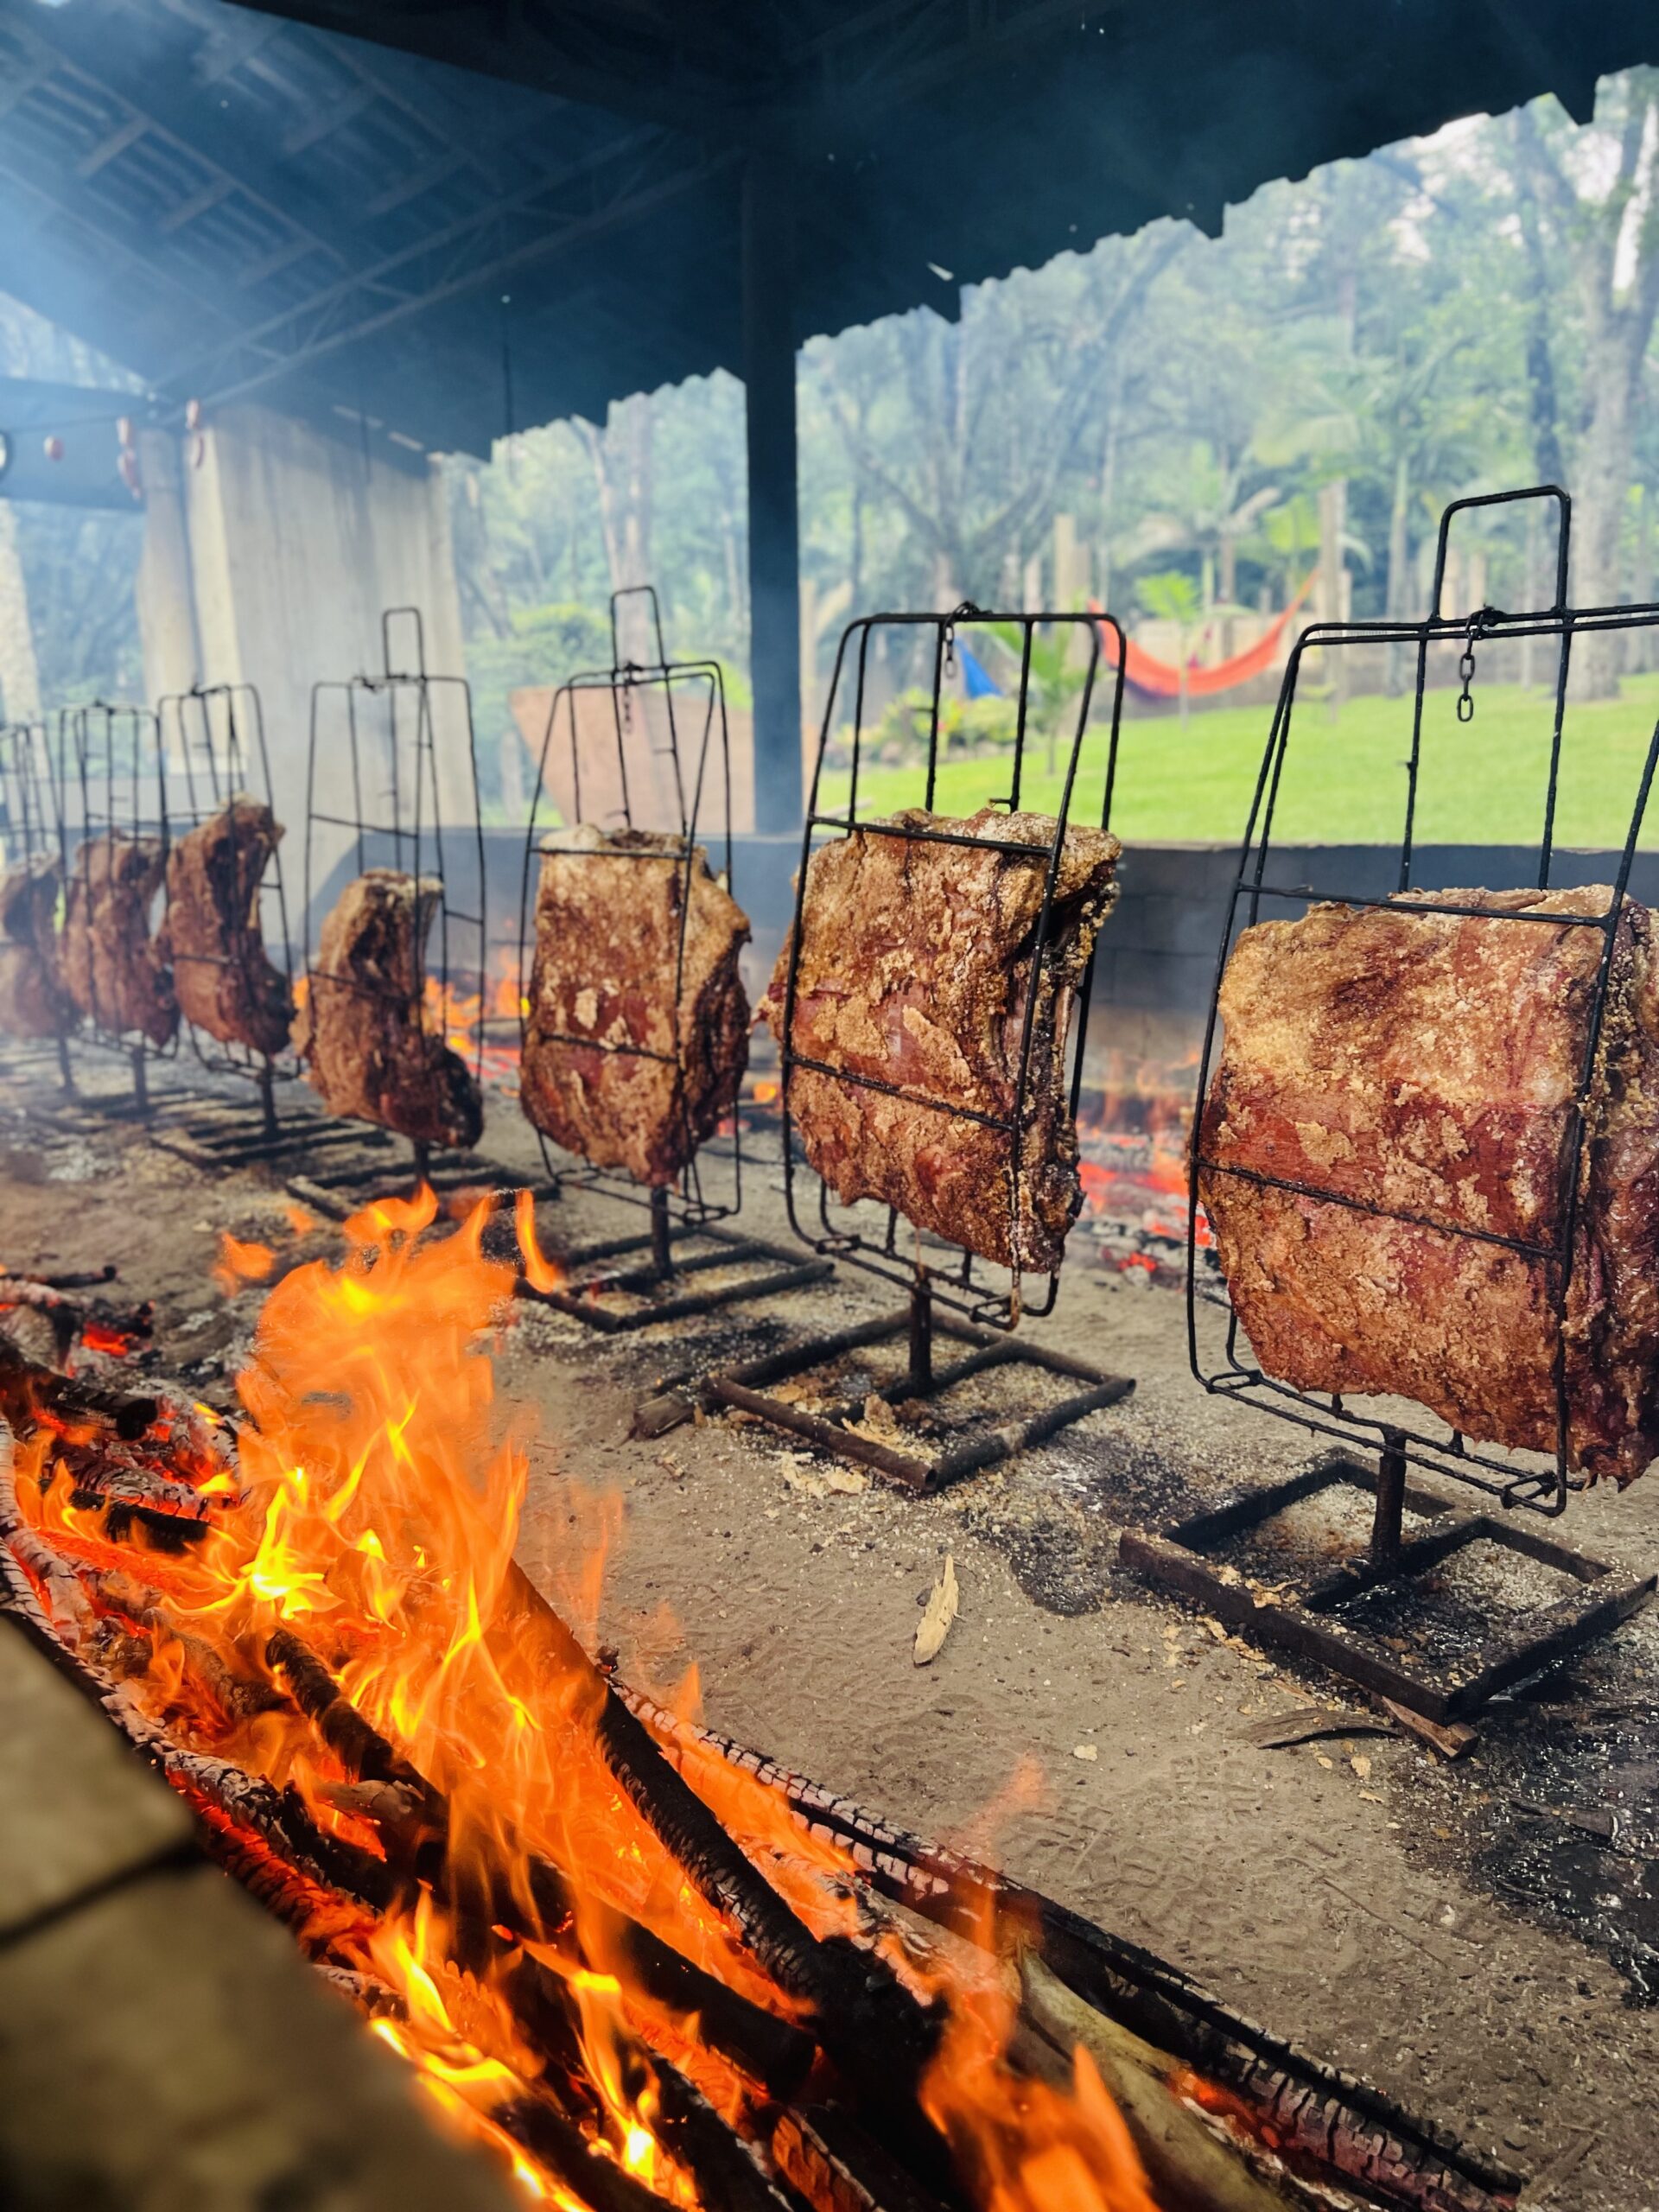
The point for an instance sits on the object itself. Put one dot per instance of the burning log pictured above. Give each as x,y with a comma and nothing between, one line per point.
868,2022
1187,2157
31,1395
415,1821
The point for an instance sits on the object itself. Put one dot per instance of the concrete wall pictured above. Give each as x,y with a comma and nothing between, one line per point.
271,552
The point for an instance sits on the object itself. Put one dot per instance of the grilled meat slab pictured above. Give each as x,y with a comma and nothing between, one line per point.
915,973
115,971
1426,1064
637,1035
33,1002
225,982
361,1030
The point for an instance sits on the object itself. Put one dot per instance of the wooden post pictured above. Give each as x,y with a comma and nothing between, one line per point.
774,536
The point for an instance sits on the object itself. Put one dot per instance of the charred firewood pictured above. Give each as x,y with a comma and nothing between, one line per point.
877,2034
359,1747
699,2139
32,1396
829,2159
414,1820
557,2144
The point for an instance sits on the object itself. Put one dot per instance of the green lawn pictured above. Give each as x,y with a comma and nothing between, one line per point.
1345,782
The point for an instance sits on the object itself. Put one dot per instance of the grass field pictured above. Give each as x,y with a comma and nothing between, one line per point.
1345,782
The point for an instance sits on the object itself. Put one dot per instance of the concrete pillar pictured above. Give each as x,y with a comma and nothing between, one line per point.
20,675
769,340
166,596
271,551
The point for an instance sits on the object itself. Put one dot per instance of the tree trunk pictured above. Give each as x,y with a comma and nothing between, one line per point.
622,459
1597,521
1333,512
1398,581
20,675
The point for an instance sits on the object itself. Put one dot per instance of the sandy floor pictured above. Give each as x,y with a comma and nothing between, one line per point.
1471,1937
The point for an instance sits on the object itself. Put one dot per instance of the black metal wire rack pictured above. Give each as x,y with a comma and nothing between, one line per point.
976,1313
667,722
214,750
1185,1556
391,782
30,830
110,788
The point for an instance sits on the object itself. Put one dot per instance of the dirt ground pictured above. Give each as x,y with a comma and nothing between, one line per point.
1477,1938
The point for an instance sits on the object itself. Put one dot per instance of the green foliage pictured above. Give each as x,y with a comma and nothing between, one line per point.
1171,596
969,729
543,645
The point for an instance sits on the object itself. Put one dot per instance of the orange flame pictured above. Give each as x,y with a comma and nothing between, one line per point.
373,1510
240,1263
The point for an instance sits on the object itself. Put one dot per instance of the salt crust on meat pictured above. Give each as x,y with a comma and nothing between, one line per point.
1426,1063
116,972
33,1002
615,1069
915,970
359,1031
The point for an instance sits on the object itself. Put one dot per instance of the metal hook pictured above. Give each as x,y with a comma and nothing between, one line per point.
1478,624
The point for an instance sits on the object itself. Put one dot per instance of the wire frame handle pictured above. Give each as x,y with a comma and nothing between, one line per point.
1545,1490
954,1282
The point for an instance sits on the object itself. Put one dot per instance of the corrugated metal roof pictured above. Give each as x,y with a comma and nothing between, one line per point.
228,199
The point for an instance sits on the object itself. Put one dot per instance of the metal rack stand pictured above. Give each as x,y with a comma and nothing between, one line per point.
110,784
1306,1616
400,749
213,750
30,830
944,1295
660,1278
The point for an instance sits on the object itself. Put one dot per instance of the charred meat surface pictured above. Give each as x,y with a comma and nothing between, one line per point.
33,1002
1427,1065
116,972
915,970
360,1031
620,1066
225,982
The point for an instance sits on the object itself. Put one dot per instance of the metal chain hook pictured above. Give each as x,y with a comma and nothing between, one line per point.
1466,670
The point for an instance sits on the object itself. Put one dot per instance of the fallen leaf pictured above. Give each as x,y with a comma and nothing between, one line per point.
879,1417
805,1480
1328,1764
1362,1766
1085,1750
937,1614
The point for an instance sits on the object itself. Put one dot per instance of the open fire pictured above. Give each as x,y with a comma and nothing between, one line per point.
635,1977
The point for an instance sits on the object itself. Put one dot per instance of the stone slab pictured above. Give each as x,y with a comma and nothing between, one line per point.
165,2049
78,1808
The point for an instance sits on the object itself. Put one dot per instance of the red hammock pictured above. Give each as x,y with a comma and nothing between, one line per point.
1161,679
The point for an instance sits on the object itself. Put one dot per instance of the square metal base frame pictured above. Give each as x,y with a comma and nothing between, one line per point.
746,1389
1306,1623
583,1294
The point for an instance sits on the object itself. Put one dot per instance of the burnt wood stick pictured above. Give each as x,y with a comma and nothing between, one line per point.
880,2036
770,2050
557,2144
727,2174
358,1746
30,1393
827,2159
